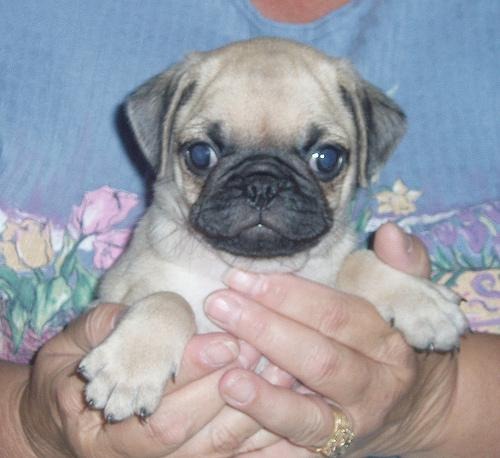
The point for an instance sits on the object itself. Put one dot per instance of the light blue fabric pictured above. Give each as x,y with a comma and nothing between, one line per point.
66,66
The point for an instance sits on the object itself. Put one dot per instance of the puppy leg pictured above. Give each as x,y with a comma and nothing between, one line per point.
427,314
128,372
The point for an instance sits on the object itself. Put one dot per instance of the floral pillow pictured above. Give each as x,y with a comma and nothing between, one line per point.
463,244
49,272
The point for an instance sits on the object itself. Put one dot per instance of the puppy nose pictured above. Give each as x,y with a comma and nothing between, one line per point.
260,190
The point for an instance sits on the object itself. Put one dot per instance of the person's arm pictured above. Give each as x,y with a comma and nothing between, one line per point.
473,422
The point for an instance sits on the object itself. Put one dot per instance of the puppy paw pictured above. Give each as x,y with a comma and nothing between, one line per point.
128,372
127,378
427,314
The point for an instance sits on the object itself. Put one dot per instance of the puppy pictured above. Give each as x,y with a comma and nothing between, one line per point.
258,149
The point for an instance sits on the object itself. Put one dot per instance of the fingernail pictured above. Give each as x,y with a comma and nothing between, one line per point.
277,376
239,390
220,353
222,310
245,282
408,243
249,356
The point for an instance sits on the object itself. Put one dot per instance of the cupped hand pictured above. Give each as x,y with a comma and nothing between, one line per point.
57,422
341,350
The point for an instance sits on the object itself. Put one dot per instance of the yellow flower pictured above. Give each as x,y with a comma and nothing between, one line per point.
399,201
26,245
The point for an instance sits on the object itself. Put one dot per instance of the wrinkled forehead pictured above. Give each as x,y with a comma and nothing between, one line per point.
260,95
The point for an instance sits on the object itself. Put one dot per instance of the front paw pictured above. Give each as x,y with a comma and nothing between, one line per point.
127,377
428,315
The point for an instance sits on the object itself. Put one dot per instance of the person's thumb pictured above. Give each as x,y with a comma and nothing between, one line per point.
402,251
92,328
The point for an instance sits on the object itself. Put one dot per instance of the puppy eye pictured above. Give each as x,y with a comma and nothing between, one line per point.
200,157
327,161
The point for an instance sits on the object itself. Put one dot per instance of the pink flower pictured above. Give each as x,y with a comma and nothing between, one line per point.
109,246
100,210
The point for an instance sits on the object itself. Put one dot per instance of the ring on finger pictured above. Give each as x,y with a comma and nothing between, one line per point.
341,437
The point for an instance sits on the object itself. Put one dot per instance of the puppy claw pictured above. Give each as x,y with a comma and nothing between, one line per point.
427,350
110,419
392,322
144,415
91,403
80,370
173,374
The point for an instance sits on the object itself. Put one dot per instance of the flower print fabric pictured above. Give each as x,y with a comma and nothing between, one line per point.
463,245
49,272
399,200
108,246
26,245
100,210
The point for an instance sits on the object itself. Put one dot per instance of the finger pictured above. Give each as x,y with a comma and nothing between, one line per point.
204,354
76,416
226,433
262,439
323,364
280,448
64,350
402,251
208,352
177,419
304,420
222,436
90,329
335,314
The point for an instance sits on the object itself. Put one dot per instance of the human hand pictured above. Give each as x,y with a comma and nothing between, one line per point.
344,352
57,422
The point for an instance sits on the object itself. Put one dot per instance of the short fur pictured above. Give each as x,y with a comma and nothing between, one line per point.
265,107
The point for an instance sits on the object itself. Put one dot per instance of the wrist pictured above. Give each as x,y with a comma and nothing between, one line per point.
471,427
418,421
14,379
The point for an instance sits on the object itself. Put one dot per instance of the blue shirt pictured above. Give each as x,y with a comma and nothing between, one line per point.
66,66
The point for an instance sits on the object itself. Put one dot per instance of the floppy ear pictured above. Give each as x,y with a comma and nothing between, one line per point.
379,122
152,105
384,123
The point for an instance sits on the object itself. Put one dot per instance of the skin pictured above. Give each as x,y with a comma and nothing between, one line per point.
399,402
378,382
297,11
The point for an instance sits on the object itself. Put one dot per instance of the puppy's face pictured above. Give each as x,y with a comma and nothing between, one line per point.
260,146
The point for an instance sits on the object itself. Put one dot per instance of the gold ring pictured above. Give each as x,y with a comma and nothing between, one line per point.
341,437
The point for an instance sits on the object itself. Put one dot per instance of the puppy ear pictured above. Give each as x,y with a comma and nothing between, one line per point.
150,106
379,122
384,123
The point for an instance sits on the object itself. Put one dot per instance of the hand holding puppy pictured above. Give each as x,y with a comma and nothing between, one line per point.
57,422
53,416
397,401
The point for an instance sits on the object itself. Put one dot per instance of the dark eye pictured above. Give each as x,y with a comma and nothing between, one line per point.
200,157
327,161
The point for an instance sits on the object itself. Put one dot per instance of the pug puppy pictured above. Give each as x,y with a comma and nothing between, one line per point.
258,149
